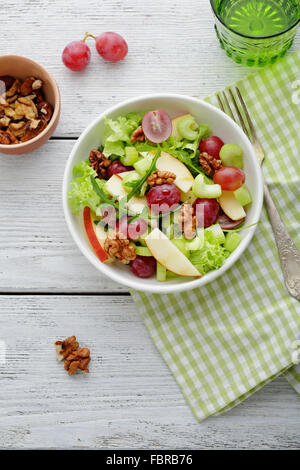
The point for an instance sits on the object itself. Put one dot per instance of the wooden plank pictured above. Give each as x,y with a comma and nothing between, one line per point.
172,48
129,399
37,252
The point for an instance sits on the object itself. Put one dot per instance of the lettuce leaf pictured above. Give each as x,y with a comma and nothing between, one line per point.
82,193
114,148
211,256
118,132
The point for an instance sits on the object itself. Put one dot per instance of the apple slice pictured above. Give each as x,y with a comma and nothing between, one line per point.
166,162
93,239
230,206
168,255
175,132
137,204
184,178
115,188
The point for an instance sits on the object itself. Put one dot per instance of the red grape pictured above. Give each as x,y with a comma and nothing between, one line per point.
143,266
157,126
207,211
228,224
132,230
212,146
163,198
117,167
76,55
229,177
111,46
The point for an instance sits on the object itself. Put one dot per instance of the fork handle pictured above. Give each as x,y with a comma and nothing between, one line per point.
288,252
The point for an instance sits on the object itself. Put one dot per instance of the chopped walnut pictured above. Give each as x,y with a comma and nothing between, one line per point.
99,163
3,102
161,177
209,163
11,113
17,128
75,357
4,121
78,359
7,138
37,84
66,347
14,89
12,99
45,109
7,80
32,132
118,246
187,221
24,113
26,87
138,135
25,107
4,138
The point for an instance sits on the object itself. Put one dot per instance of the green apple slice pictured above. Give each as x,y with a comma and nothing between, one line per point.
168,255
230,206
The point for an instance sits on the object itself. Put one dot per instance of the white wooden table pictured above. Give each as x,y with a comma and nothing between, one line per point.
50,291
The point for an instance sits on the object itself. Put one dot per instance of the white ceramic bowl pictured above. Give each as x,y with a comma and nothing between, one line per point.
174,105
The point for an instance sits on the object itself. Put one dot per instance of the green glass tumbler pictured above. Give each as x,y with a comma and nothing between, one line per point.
256,32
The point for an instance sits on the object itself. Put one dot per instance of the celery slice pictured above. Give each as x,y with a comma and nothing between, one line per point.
142,165
195,244
243,195
161,273
209,191
131,156
233,239
142,251
131,176
216,232
187,127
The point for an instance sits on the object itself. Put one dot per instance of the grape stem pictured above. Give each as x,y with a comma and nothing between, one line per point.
88,35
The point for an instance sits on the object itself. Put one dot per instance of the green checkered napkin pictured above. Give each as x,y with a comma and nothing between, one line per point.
226,340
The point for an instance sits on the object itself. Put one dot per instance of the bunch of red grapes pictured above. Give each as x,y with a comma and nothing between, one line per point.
110,46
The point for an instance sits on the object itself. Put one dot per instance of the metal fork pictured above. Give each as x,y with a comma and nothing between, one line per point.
288,252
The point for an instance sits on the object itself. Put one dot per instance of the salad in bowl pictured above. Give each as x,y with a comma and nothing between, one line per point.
165,198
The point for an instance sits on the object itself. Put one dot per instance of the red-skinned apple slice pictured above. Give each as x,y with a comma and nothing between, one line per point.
90,231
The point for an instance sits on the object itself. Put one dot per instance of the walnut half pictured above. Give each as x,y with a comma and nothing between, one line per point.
118,246
161,177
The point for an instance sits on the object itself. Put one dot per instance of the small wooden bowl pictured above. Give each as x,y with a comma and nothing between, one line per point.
22,67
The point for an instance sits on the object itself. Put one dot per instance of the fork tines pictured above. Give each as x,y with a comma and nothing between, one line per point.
235,98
